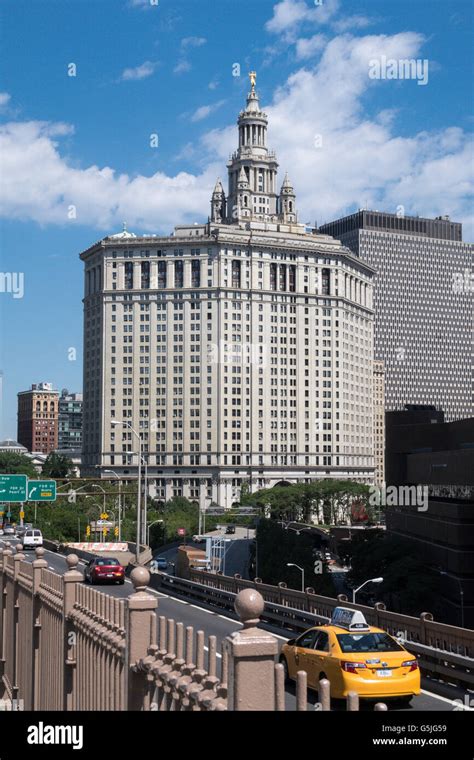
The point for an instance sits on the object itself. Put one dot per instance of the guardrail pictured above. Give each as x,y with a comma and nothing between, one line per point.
448,665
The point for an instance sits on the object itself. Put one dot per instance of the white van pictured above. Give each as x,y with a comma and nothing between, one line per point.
32,538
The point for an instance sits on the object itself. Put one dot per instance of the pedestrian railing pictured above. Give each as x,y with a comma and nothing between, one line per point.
66,646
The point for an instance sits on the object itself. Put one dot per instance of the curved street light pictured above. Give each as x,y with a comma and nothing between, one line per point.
139,484
112,472
371,580
292,564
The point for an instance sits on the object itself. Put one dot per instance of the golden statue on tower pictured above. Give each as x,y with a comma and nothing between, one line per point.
253,79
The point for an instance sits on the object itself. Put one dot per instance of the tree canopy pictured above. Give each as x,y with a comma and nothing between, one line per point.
57,465
12,463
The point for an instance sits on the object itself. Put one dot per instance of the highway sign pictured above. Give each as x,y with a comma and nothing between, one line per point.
13,487
41,490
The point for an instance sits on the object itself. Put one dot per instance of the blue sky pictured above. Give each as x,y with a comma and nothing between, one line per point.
167,69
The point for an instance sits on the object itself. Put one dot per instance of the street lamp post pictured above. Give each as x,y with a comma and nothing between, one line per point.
461,593
139,484
148,530
96,485
145,508
301,569
112,472
371,580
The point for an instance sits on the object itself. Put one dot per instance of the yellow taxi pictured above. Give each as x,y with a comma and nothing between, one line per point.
354,657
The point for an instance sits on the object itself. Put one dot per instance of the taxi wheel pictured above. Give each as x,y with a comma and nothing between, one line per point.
285,669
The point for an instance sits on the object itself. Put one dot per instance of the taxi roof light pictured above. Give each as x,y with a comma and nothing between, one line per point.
352,620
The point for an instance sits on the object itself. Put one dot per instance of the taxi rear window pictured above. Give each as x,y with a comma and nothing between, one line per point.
367,642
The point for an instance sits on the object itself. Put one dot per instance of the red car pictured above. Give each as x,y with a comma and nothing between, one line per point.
104,570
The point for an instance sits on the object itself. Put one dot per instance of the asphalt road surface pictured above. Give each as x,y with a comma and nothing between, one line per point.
221,625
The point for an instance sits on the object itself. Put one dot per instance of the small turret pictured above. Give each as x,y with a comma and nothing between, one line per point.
243,194
218,203
287,201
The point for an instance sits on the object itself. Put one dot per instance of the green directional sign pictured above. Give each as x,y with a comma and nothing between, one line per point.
41,490
13,487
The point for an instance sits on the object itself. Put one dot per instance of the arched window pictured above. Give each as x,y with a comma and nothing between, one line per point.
290,205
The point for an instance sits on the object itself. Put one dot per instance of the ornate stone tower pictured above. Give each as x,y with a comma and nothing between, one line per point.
252,168
287,206
218,203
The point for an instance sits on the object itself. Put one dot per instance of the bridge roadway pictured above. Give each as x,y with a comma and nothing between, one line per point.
221,625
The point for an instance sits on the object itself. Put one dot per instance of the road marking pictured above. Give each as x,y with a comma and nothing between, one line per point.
446,699
51,567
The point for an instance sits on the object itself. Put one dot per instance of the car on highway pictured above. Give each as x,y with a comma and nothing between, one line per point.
230,529
198,539
32,538
21,530
354,657
104,570
9,530
161,563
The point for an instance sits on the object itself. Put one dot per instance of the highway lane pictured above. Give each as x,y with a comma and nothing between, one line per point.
221,625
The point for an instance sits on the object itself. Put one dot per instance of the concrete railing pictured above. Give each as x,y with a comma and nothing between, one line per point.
444,652
422,629
66,646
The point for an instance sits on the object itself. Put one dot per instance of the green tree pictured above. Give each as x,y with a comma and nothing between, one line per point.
57,466
12,463
272,566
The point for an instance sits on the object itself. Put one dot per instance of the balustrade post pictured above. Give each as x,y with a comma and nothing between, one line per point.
71,578
38,564
17,558
251,657
141,635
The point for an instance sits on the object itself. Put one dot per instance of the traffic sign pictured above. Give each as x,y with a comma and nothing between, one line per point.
181,531
13,487
41,490
22,514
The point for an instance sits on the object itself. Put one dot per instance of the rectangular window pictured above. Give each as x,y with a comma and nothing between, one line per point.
128,275
195,274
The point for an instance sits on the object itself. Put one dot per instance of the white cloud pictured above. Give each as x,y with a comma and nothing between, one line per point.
42,185
204,111
181,67
190,42
186,44
138,72
5,98
145,4
362,158
307,48
350,23
289,15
